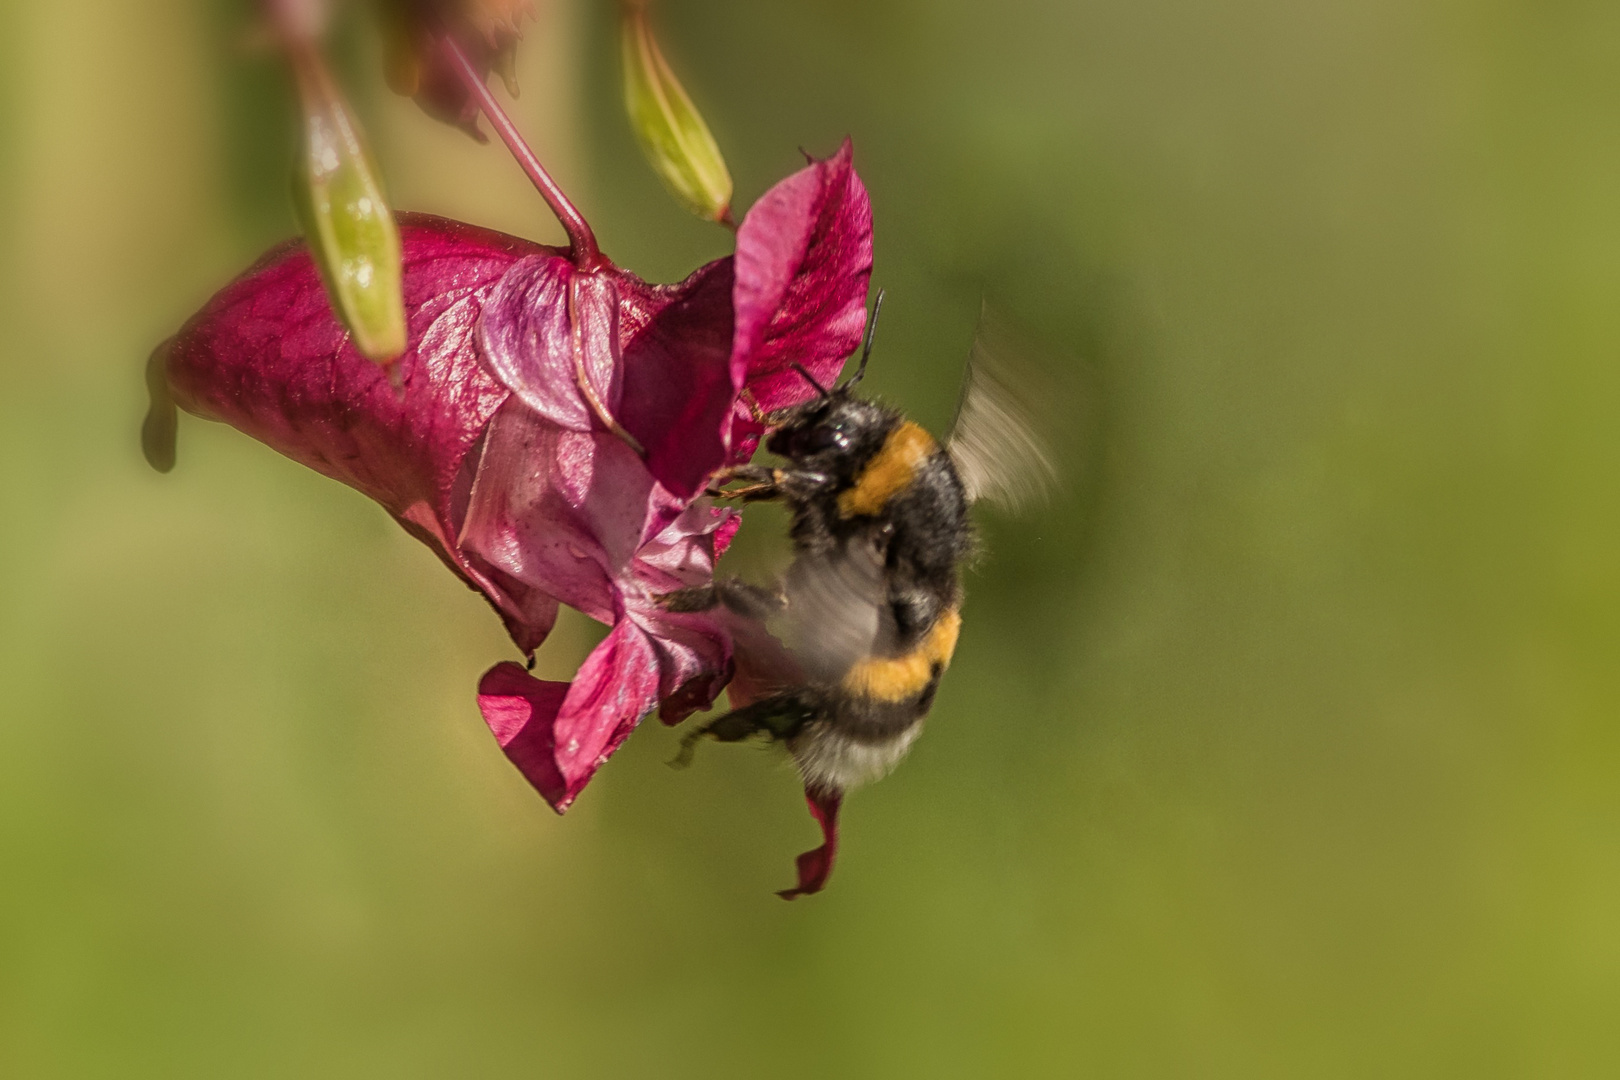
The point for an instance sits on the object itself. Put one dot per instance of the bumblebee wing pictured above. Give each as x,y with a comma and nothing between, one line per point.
996,440
836,608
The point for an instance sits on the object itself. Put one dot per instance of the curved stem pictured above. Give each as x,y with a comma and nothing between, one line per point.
581,241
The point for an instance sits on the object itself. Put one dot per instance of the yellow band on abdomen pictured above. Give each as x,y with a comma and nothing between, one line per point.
895,679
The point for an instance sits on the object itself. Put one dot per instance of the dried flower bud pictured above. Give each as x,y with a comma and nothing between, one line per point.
298,20
671,132
346,219
487,30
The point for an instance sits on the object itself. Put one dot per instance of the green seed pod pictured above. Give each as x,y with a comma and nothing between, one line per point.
672,134
350,229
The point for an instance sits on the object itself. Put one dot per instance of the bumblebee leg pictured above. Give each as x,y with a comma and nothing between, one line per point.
761,482
699,598
764,484
798,484
750,493
759,414
749,601
779,716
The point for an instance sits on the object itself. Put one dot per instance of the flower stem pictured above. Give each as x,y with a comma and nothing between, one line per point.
581,241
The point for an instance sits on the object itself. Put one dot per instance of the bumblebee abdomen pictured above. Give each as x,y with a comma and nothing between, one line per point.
870,719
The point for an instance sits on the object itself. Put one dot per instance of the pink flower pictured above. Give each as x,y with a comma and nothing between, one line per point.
552,431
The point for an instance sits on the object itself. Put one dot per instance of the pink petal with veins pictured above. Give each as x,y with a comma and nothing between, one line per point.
267,356
657,357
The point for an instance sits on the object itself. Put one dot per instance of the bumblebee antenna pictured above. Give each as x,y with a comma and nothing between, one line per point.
866,346
811,379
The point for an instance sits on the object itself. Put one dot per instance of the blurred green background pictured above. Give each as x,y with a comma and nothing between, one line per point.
1285,746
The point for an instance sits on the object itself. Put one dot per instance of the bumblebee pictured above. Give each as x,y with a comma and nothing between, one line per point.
881,529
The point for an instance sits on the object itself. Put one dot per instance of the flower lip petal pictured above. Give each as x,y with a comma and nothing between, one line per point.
615,688
521,710
638,665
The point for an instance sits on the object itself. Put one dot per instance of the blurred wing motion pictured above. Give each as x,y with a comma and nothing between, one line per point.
995,440
836,608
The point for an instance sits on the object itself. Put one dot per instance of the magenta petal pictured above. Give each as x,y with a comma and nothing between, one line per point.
520,710
559,734
575,512
558,510
649,657
616,687
267,356
679,388
726,533
804,258
816,866
657,357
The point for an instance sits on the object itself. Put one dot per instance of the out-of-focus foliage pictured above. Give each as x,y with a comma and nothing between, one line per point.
1285,746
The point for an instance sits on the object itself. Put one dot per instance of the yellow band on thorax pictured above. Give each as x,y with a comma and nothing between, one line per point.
889,471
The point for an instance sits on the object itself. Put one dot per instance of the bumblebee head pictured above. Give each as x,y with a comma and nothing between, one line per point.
835,426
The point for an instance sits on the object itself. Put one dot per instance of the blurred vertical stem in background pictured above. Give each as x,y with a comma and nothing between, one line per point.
337,192
671,132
